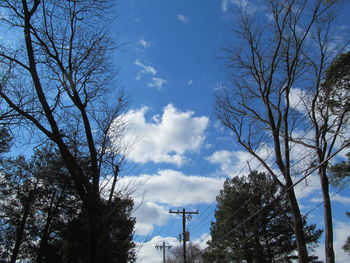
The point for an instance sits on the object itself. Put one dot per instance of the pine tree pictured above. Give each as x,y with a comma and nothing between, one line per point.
43,219
267,237
346,246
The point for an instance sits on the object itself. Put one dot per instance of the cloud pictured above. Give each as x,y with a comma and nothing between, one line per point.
167,138
190,82
157,83
145,69
182,18
238,163
144,43
298,99
147,215
149,254
245,5
155,194
335,198
307,187
219,87
163,188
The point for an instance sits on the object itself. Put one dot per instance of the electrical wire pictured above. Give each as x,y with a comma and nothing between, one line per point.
253,196
282,193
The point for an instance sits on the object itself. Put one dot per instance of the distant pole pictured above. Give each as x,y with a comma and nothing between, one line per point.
184,233
163,247
185,236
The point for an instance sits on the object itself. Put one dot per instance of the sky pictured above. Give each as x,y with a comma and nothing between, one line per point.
170,67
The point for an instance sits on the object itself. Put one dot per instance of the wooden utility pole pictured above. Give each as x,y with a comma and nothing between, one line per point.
185,235
163,247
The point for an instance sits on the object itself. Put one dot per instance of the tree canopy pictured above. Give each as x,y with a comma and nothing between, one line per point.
57,83
267,237
43,219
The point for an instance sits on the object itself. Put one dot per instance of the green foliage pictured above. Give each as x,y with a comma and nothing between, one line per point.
267,237
340,172
339,71
5,139
44,217
337,85
346,247
117,239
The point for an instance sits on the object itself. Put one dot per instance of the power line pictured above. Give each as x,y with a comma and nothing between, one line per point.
185,234
283,193
252,197
294,164
260,163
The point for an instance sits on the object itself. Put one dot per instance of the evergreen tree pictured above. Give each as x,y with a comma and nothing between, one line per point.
340,175
43,219
5,139
346,247
340,172
267,237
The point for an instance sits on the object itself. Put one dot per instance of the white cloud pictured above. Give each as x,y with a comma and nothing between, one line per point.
202,240
147,215
238,163
148,252
220,87
245,5
307,187
144,43
335,198
190,82
155,194
167,138
182,18
341,199
157,83
145,69
298,98
163,188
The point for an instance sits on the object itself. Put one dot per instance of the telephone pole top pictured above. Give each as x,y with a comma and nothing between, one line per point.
185,235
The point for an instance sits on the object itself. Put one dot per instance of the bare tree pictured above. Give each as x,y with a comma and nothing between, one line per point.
269,60
59,80
327,107
193,253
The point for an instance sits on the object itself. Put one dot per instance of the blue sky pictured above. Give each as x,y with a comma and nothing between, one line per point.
170,68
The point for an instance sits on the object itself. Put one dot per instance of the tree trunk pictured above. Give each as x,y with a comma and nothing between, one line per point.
327,211
43,240
20,228
96,234
298,225
46,232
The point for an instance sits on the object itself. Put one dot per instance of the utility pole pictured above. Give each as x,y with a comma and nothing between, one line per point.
185,235
163,247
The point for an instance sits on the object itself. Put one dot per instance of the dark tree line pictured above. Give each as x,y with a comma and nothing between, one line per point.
43,219
57,85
